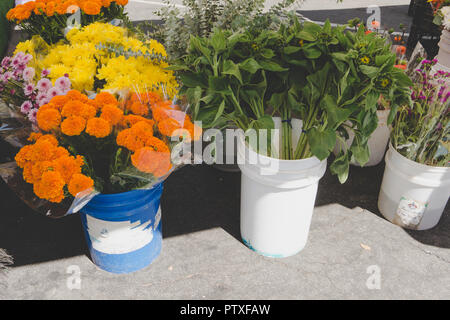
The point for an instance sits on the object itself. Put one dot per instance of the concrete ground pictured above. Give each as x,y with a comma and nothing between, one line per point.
204,258
350,246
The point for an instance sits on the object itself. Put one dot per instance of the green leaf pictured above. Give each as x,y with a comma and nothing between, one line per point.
229,67
371,100
219,111
218,40
250,65
401,78
272,66
321,142
340,167
193,80
267,53
369,71
218,84
305,35
291,49
335,115
360,152
380,60
312,52
341,56
197,45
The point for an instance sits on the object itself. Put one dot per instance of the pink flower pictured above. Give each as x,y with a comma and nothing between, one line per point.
44,85
28,74
26,107
19,55
28,89
8,75
45,73
32,115
5,62
16,62
27,58
53,92
42,99
63,84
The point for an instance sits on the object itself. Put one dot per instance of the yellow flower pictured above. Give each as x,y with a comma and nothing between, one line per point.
364,60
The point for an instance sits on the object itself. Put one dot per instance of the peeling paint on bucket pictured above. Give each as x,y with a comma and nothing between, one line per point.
123,231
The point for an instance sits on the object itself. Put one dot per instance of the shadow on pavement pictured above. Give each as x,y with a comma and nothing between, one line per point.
195,198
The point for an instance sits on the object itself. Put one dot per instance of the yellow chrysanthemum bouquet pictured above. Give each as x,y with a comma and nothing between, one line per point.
51,18
101,56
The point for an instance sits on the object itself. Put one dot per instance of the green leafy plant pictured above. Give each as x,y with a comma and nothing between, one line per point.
328,78
421,131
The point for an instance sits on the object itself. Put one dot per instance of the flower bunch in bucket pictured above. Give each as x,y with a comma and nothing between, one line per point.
421,131
25,91
101,56
106,144
49,19
328,78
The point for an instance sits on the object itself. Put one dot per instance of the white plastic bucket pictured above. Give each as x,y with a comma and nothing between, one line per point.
277,199
413,195
377,143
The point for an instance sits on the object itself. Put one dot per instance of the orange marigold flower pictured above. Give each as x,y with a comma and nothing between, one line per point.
139,109
61,152
159,113
27,172
195,132
43,150
76,95
112,114
168,126
91,8
106,3
78,108
50,187
50,138
48,106
105,98
157,144
73,126
79,183
39,8
38,169
148,160
142,128
59,101
48,119
67,166
121,2
131,119
34,136
98,127
50,9
24,155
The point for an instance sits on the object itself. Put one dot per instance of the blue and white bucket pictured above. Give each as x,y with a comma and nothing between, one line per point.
123,231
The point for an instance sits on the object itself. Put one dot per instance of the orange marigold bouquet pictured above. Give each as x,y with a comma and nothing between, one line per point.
50,18
106,144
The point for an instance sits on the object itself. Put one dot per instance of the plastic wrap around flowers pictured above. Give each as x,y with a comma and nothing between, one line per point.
102,145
